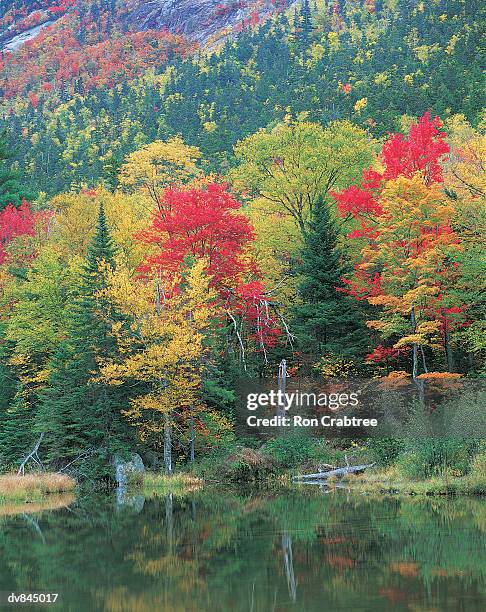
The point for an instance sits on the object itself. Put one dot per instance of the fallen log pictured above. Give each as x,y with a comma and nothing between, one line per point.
351,469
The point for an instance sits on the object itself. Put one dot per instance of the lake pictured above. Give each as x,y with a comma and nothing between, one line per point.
258,551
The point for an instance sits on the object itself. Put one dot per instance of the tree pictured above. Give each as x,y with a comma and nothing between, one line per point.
297,162
303,23
15,222
12,189
80,415
328,321
464,186
205,224
408,262
16,433
163,352
75,221
160,165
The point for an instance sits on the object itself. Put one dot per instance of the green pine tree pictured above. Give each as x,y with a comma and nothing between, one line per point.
328,321
79,413
12,189
16,431
306,20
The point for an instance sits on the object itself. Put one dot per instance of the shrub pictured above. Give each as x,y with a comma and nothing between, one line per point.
476,479
437,456
290,451
384,451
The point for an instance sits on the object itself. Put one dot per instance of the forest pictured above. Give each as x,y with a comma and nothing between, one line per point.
176,220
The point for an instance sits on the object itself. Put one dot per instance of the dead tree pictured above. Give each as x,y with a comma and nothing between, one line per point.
32,456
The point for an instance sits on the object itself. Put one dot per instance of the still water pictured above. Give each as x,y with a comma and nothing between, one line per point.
303,550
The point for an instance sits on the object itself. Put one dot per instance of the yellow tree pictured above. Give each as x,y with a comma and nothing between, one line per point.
163,348
74,221
465,186
465,169
277,246
408,267
297,162
159,165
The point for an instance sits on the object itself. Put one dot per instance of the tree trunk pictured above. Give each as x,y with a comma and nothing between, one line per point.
338,472
192,442
289,565
282,384
167,445
415,347
424,362
448,352
169,521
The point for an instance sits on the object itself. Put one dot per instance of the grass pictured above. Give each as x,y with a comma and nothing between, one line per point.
34,487
391,481
179,484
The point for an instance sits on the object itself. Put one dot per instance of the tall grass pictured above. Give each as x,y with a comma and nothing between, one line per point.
34,486
160,484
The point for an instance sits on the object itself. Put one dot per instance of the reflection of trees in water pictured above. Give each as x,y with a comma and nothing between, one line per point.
222,551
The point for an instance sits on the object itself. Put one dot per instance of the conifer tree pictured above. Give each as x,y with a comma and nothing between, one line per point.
328,321
306,18
12,191
79,413
16,435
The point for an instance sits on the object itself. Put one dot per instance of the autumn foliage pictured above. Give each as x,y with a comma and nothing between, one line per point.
56,59
205,224
409,249
15,222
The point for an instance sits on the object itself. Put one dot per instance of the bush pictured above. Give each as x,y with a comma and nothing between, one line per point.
241,465
476,479
437,456
384,451
290,451
297,451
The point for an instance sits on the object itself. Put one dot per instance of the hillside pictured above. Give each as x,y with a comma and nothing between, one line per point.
68,91
200,20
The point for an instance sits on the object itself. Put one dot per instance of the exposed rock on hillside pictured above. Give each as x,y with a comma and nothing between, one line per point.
199,19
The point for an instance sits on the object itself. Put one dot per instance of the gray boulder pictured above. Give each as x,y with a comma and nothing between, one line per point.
128,471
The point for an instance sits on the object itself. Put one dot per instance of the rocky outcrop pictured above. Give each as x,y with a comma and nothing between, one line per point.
199,20
12,43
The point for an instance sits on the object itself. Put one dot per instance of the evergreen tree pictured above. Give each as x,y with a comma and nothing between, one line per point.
16,431
328,321
14,418
306,20
77,411
11,189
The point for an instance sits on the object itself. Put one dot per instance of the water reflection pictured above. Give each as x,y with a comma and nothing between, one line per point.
220,551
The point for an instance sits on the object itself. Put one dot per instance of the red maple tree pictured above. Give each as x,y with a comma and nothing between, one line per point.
205,224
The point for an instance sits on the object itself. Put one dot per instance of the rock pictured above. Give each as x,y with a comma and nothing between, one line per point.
198,20
127,472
